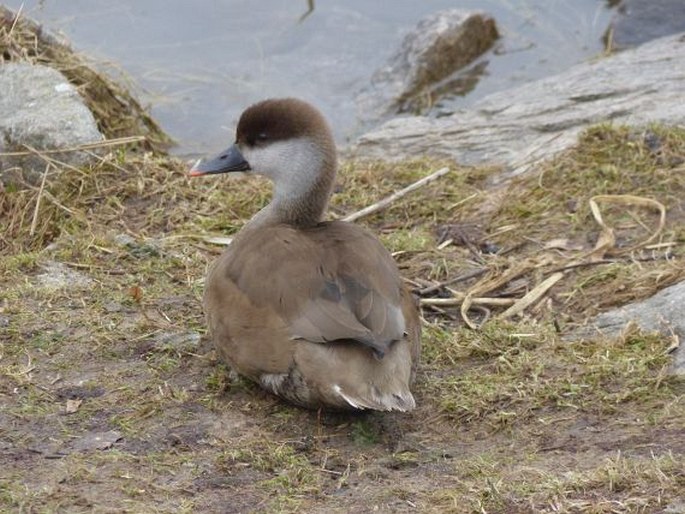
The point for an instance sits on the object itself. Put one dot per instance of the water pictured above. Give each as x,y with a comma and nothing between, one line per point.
198,64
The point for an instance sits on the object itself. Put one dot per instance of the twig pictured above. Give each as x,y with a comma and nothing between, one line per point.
490,284
54,162
80,148
462,201
574,265
56,203
34,221
533,296
104,160
310,9
395,196
92,267
15,20
452,281
440,311
456,300
50,198
218,240
330,471
658,246
416,282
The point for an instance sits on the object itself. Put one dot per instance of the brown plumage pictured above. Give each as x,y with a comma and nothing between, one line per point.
315,312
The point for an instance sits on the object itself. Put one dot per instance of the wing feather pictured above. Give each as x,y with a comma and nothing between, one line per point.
334,281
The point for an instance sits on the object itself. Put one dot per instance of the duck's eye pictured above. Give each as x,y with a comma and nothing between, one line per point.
258,139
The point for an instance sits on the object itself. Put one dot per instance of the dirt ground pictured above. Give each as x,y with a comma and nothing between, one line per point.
111,399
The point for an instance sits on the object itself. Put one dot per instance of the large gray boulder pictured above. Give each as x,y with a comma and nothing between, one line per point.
515,128
440,44
40,109
664,312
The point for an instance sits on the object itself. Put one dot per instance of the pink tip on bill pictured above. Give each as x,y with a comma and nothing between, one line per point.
194,172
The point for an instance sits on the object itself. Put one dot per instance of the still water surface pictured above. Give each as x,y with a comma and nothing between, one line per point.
199,63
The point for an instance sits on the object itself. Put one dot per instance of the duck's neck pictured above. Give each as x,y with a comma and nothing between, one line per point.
301,197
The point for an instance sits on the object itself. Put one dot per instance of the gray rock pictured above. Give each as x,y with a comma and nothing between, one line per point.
441,44
41,109
124,240
663,313
58,276
638,21
516,128
677,506
97,440
178,341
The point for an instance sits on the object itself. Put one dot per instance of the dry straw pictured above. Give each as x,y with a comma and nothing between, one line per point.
553,268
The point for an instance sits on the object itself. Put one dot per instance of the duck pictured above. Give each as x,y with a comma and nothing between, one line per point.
313,311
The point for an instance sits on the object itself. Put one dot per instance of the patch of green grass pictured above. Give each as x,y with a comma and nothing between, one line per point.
163,362
494,483
46,342
24,262
364,432
290,477
504,378
31,401
364,183
408,241
447,346
607,161
134,417
217,379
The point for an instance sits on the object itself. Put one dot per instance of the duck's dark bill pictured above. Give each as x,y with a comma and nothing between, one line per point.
227,161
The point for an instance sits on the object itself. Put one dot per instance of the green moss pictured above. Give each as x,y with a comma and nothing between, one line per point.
408,241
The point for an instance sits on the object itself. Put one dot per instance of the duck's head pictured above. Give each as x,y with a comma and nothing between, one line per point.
285,139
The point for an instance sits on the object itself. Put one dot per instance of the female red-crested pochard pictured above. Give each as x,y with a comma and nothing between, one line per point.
314,311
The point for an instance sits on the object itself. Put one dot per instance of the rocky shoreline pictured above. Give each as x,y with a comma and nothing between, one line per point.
517,128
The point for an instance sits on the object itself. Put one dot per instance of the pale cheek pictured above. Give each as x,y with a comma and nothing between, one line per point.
267,161
293,164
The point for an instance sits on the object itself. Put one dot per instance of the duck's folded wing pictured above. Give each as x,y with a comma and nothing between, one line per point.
349,313
326,285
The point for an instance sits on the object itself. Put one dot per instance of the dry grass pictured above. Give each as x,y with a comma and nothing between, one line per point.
543,225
